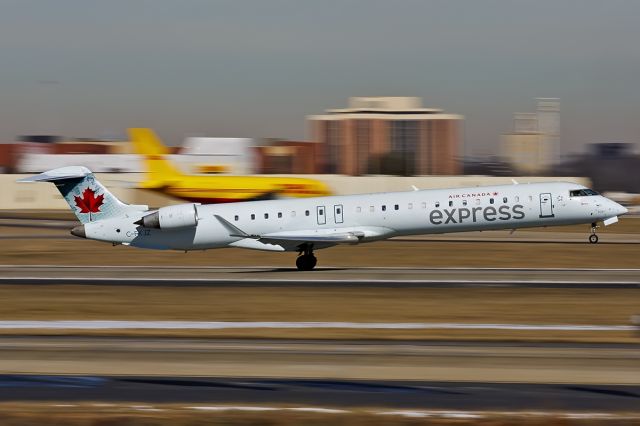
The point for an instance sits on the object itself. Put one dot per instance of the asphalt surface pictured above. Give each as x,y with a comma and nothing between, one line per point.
588,364
335,393
157,275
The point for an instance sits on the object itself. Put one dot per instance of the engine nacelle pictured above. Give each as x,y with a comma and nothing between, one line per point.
172,217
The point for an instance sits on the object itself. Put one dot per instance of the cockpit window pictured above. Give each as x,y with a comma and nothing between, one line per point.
582,193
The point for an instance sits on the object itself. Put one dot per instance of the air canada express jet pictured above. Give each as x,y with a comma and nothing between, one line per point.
305,225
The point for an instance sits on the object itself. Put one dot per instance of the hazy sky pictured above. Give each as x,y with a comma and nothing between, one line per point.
256,68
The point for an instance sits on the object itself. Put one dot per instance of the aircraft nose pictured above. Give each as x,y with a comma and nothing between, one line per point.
618,209
622,210
79,231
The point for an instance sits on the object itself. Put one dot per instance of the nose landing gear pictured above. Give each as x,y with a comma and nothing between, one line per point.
593,238
306,261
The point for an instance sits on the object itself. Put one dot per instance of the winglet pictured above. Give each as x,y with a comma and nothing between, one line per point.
234,231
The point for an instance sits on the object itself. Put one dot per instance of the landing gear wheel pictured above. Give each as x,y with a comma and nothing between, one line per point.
593,238
306,262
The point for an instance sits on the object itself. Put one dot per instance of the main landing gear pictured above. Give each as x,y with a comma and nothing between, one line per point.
593,238
306,261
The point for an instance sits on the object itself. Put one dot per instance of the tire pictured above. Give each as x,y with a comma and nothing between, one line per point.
593,238
306,262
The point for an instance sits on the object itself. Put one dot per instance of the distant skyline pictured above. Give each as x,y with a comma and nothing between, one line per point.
258,68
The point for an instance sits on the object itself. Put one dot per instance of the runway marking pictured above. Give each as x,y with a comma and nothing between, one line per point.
328,280
324,268
222,325
230,408
422,413
446,414
317,410
145,408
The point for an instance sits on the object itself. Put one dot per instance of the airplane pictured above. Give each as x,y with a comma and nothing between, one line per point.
306,225
161,175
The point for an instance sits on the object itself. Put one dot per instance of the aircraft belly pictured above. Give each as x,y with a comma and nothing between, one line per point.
205,235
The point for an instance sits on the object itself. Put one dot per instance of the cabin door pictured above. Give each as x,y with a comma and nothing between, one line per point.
337,213
546,206
321,214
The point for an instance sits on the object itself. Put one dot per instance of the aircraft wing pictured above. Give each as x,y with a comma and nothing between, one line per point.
291,242
279,241
337,238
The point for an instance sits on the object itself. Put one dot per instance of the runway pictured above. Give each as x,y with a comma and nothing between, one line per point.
299,373
318,395
115,325
158,275
376,360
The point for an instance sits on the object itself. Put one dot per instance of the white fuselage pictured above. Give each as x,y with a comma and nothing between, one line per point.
370,216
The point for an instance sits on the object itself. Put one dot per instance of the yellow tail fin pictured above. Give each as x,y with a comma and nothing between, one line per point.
146,142
159,170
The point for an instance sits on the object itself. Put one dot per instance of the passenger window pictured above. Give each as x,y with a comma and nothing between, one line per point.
253,216
397,207
530,197
410,206
464,202
517,199
504,200
437,204
279,214
490,200
236,218
359,209
450,203
384,208
306,212
424,205
372,209
266,215
293,213
477,201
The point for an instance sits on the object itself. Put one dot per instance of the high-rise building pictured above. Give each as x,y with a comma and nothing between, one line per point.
535,139
548,112
388,135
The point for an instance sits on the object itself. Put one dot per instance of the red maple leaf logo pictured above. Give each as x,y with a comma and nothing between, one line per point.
89,203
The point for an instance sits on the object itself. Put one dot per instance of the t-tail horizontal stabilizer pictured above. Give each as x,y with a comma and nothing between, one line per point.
87,197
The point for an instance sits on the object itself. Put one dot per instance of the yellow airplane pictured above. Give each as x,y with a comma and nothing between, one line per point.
161,175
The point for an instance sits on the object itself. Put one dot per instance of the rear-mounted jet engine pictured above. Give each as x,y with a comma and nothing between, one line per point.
171,217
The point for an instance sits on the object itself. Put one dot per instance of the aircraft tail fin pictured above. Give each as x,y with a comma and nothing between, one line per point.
159,170
146,142
87,197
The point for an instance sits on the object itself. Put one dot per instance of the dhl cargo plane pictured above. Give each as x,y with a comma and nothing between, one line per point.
161,175
305,225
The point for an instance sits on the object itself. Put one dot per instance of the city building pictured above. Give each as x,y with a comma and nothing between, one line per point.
387,135
548,112
287,157
535,140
